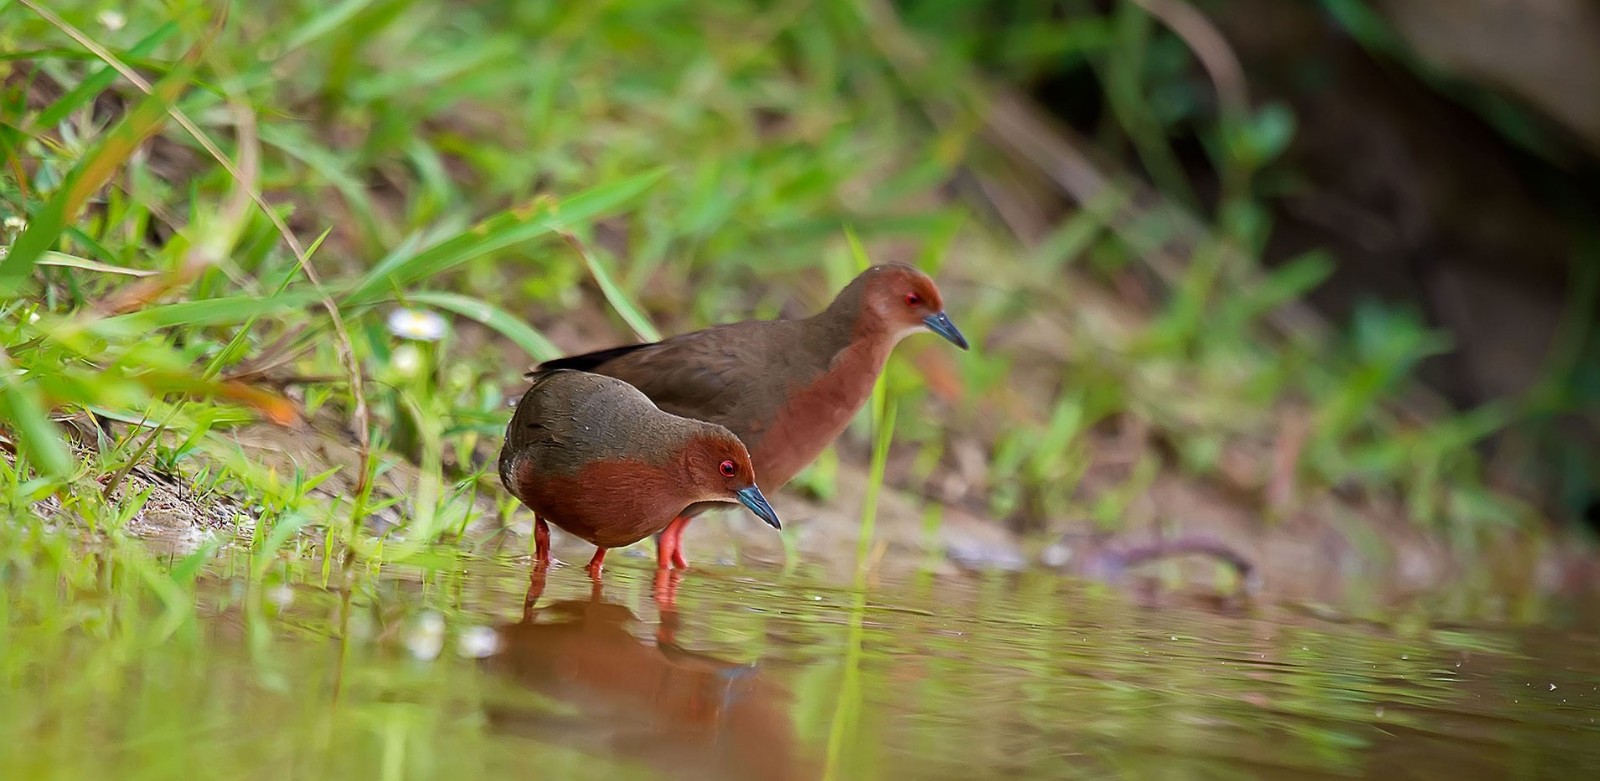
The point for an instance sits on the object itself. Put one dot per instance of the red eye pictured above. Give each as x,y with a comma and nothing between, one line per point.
728,469
912,299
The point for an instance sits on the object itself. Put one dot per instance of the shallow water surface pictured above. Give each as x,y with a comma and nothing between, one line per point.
455,673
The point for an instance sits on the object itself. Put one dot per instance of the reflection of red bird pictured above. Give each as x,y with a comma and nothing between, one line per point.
685,713
786,388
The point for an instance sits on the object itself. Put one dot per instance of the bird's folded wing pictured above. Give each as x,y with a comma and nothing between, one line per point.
704,374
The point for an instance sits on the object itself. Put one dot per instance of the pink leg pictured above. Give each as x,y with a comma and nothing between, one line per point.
669,545
597,563
541,542
677,547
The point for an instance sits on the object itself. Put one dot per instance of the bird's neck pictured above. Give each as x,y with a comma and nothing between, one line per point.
847,361
844,332
849,348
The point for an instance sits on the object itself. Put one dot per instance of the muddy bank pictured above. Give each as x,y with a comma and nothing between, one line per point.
1324,551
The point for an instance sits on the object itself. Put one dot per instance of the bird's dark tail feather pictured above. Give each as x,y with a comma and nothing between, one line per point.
587,361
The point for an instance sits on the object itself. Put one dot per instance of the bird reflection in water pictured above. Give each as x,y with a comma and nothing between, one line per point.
686,714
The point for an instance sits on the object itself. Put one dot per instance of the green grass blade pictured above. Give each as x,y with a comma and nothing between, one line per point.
285,528
885,411
188,568
302,146
211,311
509,326
101,79
619,300
602,199
857,251
498,232
63,260
90,174
37,436
847,712
326,22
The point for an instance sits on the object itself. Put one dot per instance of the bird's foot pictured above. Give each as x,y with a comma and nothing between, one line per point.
596,565
541,543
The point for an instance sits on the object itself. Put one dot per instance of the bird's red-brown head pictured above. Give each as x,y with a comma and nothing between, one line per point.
898,300
718,467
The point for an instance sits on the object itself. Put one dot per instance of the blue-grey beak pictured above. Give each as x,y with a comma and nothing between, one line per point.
941,325
751,497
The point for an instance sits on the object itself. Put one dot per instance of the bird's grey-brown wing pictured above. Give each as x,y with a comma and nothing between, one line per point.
735,374
537,423
569,418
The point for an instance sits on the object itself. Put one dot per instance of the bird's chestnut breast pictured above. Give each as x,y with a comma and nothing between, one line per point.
610,504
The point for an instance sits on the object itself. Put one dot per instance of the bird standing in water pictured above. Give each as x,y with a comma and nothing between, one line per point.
594,456
786,388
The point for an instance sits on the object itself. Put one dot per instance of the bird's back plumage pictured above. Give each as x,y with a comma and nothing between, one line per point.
737,375
570,418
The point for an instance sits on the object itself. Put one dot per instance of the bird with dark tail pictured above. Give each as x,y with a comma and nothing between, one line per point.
787,388
594,456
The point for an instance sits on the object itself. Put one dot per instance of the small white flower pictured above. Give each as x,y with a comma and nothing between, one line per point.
426,638
112,20
16,224
281,595
419,324
406,359
33,317
476,642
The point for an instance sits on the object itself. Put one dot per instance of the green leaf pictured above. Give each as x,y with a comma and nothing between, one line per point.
280,534
302,146
619,300
857,251
63,260
1273,129
211,311
1265,135
524,335
37,435
603,199
188,568
326,22
1292,280
506,229
91,173
101,79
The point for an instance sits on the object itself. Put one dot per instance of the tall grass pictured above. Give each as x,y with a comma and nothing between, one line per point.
210,215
